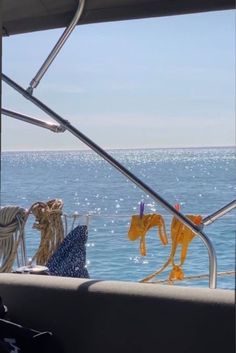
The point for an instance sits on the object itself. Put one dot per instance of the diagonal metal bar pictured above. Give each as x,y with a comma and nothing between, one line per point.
197,230
37,78
30,120
219,213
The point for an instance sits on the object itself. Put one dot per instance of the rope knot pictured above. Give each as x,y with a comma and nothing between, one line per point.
48,221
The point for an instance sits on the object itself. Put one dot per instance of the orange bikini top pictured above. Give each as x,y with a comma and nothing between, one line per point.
140,225
180,235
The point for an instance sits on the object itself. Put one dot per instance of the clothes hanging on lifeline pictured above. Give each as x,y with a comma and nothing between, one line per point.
140,225
69,260
181,235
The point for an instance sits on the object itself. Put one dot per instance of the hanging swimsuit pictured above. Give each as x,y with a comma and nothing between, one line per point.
140,225
181,235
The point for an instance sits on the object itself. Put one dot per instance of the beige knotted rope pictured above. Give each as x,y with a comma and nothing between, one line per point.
11,236
49,223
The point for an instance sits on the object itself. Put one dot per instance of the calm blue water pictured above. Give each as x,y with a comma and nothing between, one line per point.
201,180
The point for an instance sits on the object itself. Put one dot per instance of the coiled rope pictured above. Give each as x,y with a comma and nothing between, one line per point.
11,236
48,221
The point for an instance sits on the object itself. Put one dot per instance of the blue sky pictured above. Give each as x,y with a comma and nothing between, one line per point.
162,82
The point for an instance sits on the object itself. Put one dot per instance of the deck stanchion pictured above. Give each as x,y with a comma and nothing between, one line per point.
66,124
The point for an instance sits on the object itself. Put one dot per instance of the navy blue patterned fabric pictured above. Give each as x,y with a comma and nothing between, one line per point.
70,258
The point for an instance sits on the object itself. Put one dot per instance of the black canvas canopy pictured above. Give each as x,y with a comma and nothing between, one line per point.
21,16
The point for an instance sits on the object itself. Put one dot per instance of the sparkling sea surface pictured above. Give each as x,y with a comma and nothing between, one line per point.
200,180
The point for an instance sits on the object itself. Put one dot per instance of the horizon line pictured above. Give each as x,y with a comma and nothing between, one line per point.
116,149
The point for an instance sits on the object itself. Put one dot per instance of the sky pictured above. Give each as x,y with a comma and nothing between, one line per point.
150,83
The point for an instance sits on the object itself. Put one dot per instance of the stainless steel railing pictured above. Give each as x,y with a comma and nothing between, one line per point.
37,78
66,124
33,121
219,213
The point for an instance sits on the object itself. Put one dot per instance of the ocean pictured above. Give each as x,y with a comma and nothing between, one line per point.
201,180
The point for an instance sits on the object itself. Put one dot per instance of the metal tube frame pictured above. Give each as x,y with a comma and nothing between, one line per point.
30,120
37,78
66,124
219,213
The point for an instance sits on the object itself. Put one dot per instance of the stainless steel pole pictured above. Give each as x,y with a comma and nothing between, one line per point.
35,81
221,212
197,230
30,120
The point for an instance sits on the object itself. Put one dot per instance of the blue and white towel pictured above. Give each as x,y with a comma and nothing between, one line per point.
70,258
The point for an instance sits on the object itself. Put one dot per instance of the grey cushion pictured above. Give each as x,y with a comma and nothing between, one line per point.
117,317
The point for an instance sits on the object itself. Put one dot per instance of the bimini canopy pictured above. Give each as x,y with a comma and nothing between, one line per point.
21,16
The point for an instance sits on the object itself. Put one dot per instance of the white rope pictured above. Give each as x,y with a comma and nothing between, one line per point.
11,237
